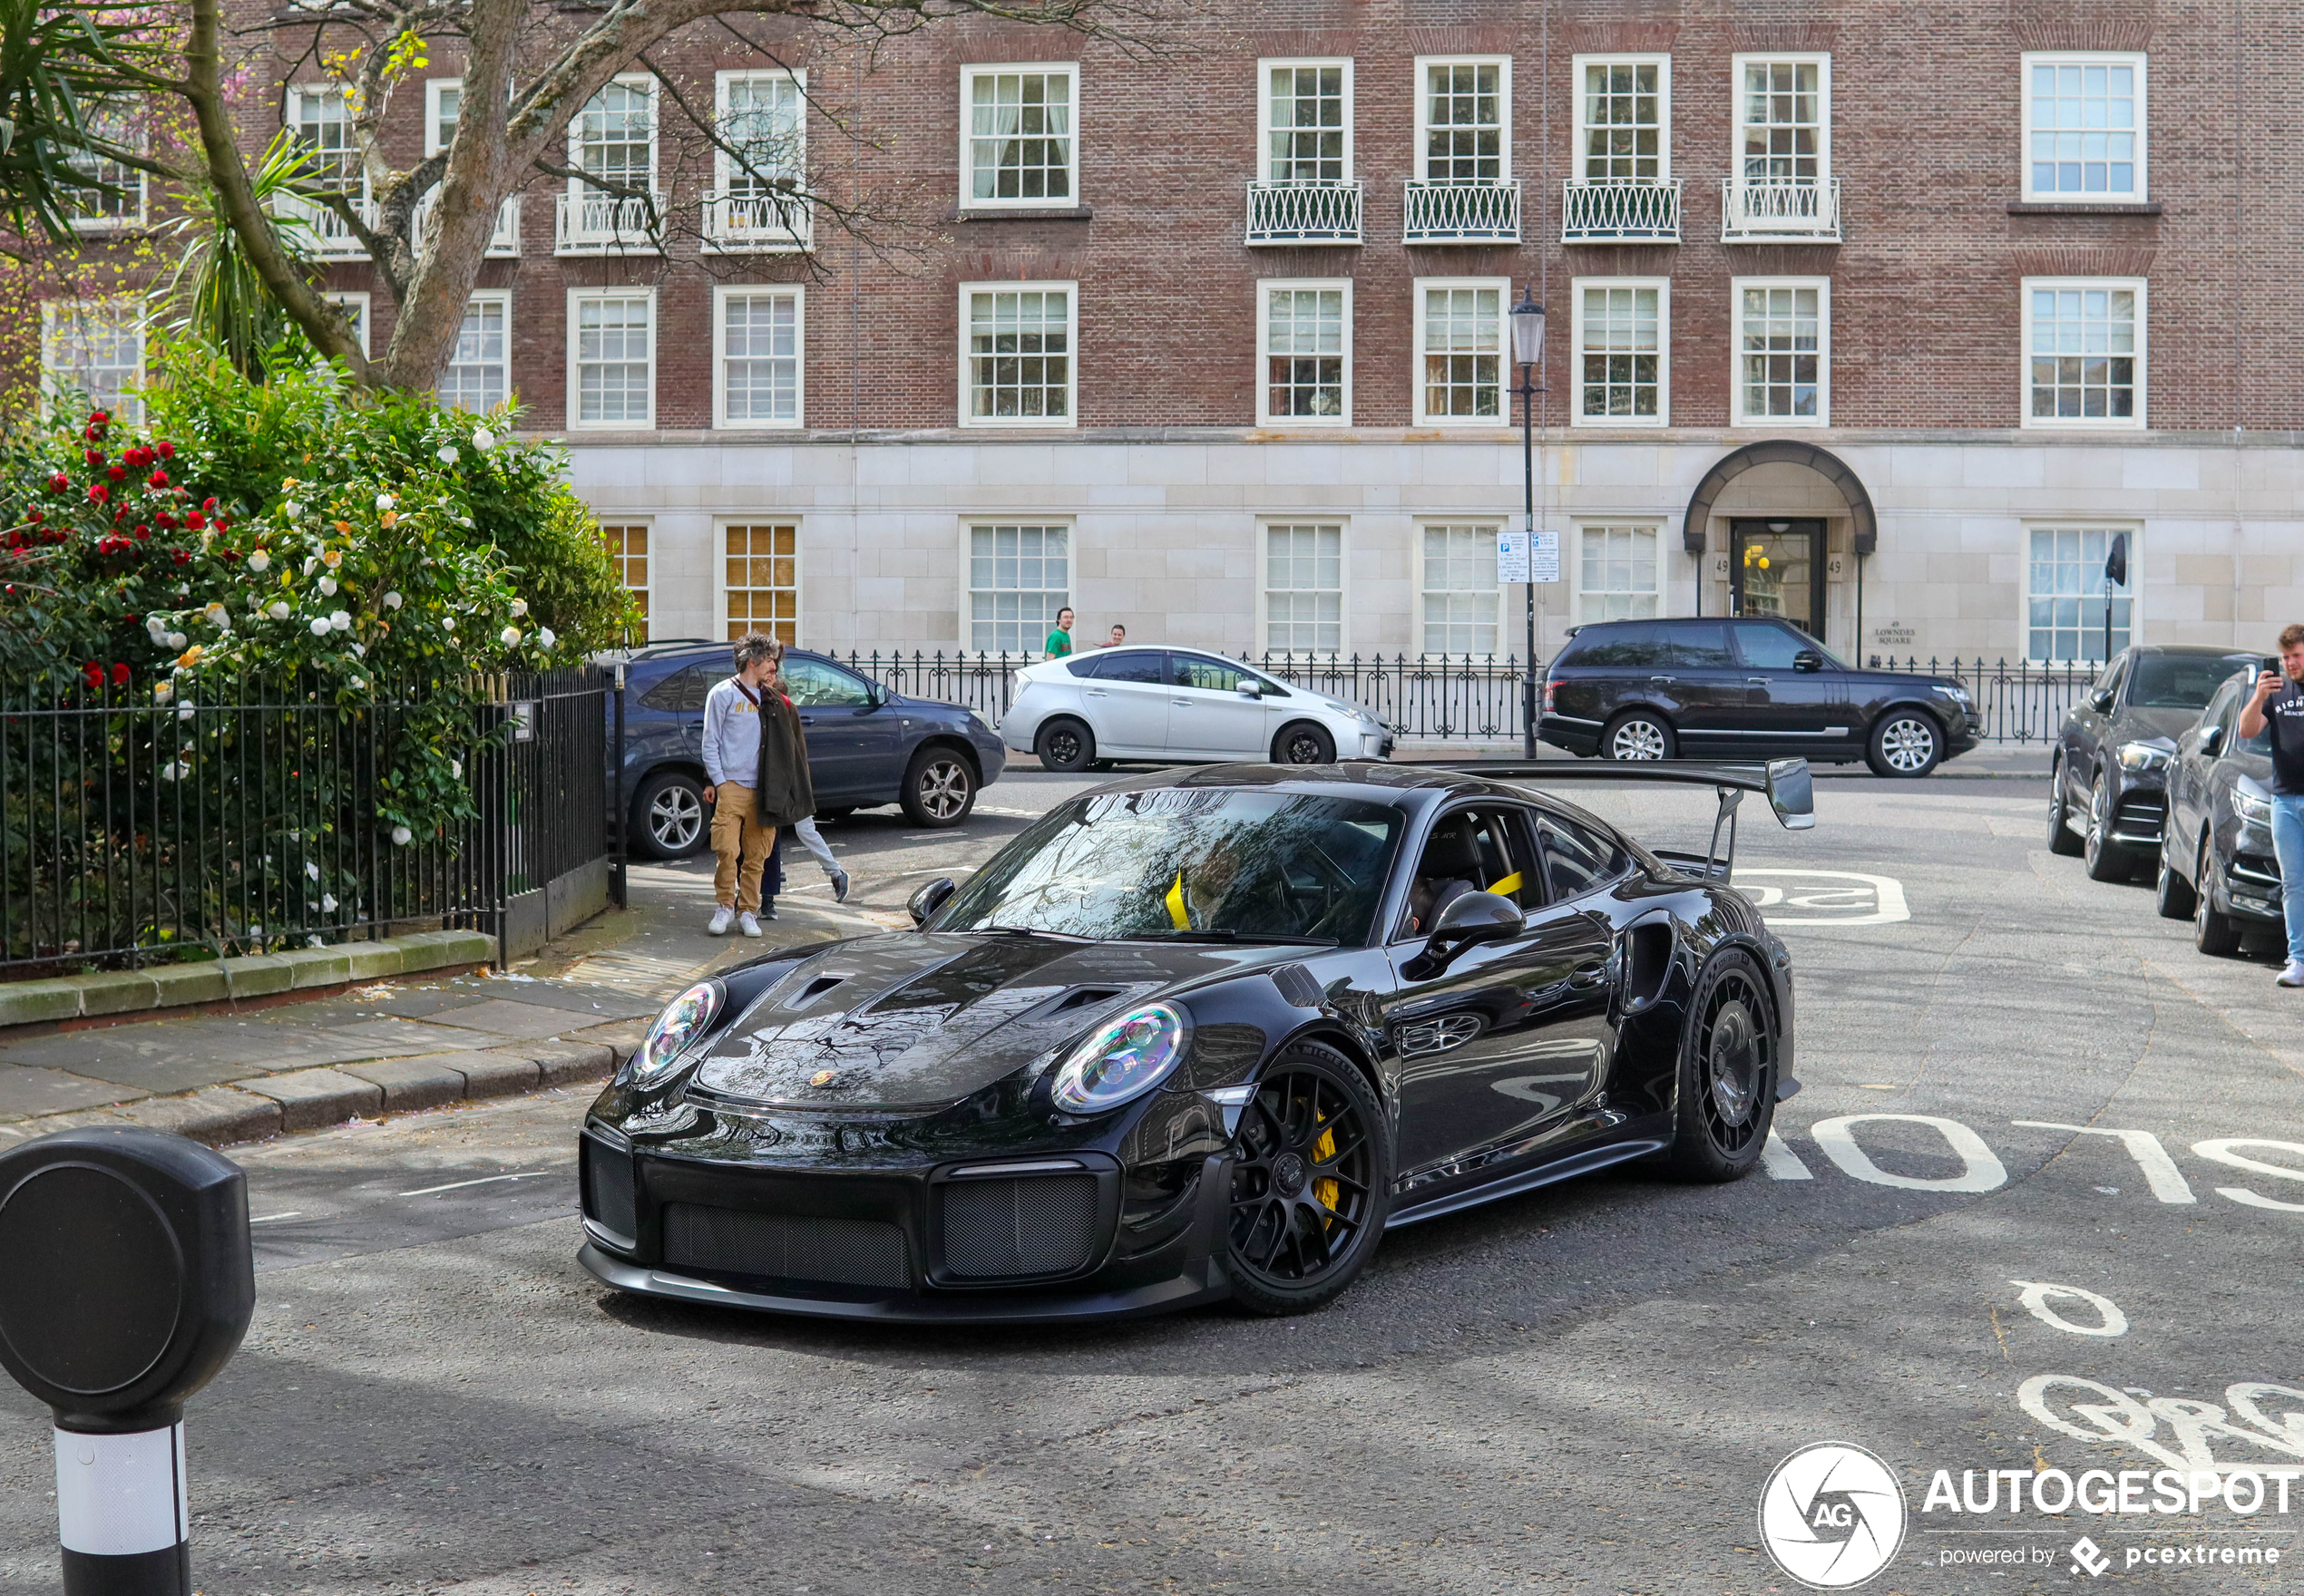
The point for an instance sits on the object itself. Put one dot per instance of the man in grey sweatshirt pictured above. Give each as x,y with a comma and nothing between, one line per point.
732,764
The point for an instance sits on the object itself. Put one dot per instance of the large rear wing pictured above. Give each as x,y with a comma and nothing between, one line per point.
1789,786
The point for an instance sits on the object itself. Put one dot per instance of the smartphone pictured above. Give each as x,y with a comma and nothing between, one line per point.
2272,663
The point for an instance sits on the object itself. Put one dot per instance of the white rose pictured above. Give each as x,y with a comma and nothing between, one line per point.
457,769
447,623
311,869
319,626
175,640
184,713
384,501
511,635
260,561
482,438
447,452
359,652
311,564
163,690
340,620
359,683
217,616
156,627
392,600
278,609
544,637
327,903
327,586
520,607
402,836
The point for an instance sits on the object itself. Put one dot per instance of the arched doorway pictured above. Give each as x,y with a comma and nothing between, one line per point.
1781,527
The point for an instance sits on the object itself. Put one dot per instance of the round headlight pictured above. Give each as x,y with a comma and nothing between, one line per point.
682,1021
1124,1058
2142,756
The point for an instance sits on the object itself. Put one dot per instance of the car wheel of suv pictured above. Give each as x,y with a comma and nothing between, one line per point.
1638,734
1728,1058
2107,860
1065,747
2060,837
2214,932
2170,893
1311,1175
1303,744
1904,742
940,788
667,817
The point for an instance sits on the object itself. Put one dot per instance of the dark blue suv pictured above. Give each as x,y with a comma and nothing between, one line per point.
866,746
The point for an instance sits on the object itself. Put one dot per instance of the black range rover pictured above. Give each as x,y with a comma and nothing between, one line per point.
1745,688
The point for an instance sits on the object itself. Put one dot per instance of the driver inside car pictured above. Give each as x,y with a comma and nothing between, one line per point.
1450,868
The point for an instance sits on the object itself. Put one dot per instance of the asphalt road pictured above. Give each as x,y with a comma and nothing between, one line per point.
1582,1389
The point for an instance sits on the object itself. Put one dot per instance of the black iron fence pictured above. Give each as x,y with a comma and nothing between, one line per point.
1447,699
250,815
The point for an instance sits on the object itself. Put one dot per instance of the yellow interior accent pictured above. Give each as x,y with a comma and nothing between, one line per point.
1175,901
1509,885
1328,1191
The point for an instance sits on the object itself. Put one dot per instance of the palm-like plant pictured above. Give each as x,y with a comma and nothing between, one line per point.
61,62
220,297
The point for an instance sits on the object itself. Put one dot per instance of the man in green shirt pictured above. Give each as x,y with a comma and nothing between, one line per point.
1059,641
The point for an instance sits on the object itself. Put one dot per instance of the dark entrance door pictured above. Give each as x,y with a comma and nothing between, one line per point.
1777,568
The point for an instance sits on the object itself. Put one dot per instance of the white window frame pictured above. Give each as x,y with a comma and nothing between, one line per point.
647,525
1264,418
503,298
1579,134
2134,530
628,80
969,590
359,300
1265,525
1422,591
2141,193
1823,62
433,90
140,180
969,73
1663,418
2137,423
1502,418
295,121
1503,63
1071,289
125,407
1573,559
1264,66
721,528
796,232
798,293
575,389
1823,287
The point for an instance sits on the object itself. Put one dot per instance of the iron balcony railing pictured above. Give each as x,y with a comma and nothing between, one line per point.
502,244
1620,212
746,223
1460,213
243,817
332,237
1776,211
1312,212
586,221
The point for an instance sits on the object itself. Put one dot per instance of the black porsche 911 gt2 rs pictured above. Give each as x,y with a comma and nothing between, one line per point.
1200,1036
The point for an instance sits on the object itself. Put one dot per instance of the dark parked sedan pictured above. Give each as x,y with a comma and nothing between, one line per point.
2216,862
866,746
1745,688
2107,787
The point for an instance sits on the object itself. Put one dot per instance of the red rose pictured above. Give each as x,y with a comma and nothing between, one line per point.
166,450
95,457
159,479
162,519
208,505
35,517
115,473
130,618
120,672
15,539
143,531
222,527
195,521
229,555
59,482
98,417
98,492
183,557
94,673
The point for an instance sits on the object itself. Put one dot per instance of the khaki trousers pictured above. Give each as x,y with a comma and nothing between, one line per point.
742,845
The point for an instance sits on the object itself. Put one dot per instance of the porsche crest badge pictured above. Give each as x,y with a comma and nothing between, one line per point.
823,1077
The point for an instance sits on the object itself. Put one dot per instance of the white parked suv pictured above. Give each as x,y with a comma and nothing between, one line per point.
1180,706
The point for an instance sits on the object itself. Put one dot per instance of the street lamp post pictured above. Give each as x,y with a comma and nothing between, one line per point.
1528,354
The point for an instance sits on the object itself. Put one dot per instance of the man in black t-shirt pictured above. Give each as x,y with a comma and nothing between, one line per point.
2279,703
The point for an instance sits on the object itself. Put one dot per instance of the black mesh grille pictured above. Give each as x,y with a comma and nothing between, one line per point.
608,1190
785,1246
1035,1225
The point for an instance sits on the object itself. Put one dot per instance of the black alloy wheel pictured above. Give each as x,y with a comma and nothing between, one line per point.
2214,932
668,820
2107,860
940,788
1303,744
2172,895
1065,747
1311,1182
1638,734
1905,741
1728,1063
2061,839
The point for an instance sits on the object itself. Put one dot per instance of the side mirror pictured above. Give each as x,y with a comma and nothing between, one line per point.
2211,738
874,695
1808,659
2101,701
1249,690
931,897
1471,920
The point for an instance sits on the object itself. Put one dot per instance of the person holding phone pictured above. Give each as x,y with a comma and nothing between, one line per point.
2278,702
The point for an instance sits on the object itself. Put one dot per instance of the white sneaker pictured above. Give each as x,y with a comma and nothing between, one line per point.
722,919
748,923
2293,976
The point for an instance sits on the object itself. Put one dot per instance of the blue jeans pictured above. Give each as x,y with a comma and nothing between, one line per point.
2287,847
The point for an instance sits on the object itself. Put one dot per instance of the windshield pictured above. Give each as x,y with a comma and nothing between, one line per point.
1176,864
2180,681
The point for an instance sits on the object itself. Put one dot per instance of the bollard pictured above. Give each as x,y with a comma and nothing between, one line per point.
128,1281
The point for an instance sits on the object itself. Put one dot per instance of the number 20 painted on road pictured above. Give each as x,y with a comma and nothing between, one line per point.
1982,1171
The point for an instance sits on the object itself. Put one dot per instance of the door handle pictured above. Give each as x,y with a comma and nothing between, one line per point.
1755,681
1589,974
807,720
1181,703
1663,678
1098,693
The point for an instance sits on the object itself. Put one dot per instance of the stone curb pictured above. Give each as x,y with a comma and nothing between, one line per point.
311,1099
254,975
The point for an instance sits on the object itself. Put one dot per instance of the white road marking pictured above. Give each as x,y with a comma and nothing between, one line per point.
1830,897
1982,1170
483,1181
266,1219
2161,1173
2035,1303
2219,1150
2100,1413
1781,1163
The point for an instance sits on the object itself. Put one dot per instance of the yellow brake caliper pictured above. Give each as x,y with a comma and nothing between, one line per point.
1329,1190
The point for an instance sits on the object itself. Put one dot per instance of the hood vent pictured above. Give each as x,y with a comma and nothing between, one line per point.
816,989
1297,986
1082,997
